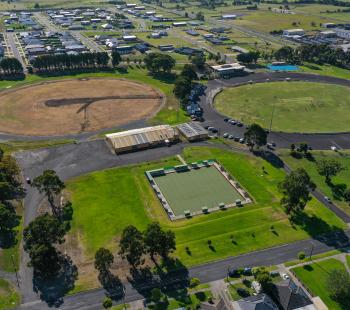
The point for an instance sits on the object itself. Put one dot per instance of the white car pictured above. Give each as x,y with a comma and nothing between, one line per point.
285,276
334,148
328,199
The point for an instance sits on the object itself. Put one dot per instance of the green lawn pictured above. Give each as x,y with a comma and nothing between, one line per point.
340,181
326,70
314,277
295,106
9,298
167,115
195,189
103,206
313,257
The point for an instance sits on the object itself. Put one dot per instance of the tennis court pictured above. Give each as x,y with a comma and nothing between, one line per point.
191,190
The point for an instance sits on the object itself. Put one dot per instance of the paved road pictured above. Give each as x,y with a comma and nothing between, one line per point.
90,44
283,140
11,41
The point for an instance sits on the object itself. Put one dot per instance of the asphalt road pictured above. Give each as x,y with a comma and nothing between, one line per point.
11,41
283,140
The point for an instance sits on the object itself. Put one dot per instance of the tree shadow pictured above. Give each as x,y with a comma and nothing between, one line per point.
168,78
320,230
112,285
8,239
271,158
53,289
338,190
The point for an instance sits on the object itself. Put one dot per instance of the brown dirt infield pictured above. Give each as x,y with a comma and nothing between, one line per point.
75,106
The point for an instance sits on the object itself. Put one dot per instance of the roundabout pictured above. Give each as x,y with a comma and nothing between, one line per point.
75,106
305,107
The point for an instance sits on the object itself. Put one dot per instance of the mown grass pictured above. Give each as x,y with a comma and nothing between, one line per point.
313,257
15,146
295,106
314,277
103,206
326,70
341,181
9,298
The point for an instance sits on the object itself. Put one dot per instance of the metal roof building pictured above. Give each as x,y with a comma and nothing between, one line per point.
192,131
141,138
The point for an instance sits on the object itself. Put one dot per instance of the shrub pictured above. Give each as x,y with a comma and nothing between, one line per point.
194,282
107,303
301,255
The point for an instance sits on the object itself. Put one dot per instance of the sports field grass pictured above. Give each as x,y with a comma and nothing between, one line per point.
9,298
295,106
197,188
314,277
341,181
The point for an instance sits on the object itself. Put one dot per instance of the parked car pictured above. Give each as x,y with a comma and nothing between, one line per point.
241,140
225,135
247,271
226,119
230,137
328,199
233,272
285,276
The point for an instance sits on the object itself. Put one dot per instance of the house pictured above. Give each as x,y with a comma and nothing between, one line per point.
189,51
257,302
329,25
293,32
125,49
228,70
179,24
328,34
130,38
106,26
228,16
289,296
342,33
142,48
155,35
192,32
166,47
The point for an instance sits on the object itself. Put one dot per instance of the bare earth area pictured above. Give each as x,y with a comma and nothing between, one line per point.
74,106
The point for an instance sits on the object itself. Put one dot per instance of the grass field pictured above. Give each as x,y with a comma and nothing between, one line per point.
326,70
195,189
103,206
295,106
340,181
314,277
9,298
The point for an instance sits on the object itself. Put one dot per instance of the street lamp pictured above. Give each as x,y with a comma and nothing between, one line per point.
14,267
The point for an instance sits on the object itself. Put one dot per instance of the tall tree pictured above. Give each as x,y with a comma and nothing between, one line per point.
256,136
45,229
132,246
8,218
296,191
116,58
182,88
50,184
338,286
189,72
103,259
329,168
158,241
198,60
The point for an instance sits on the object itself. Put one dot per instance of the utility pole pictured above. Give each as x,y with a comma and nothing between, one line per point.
312,250
14,267
272,114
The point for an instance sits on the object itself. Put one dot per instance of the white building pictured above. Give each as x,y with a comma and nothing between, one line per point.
343,33
293,32
227,70
228,16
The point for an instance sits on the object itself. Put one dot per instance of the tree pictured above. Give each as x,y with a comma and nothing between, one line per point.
116,58
182,88
45,229
262,275
248,58
200,16
347,195
189,72
44,259
103,259
338,285
255,136
194,282
198,60
158,241
132,246
36,5
329,168
285,53
8,218
156,295
304,148
50,184
155,62
296,191
107,303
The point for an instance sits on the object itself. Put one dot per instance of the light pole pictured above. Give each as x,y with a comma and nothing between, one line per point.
14,267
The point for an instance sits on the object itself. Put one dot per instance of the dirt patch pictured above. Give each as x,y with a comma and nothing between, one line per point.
75,106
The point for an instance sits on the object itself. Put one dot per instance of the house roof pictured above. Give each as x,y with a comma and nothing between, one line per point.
257,302
290,296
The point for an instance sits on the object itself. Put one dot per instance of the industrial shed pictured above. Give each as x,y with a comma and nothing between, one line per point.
141,138
192,131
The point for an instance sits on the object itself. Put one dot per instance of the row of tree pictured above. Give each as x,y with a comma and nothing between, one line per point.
41,247
11,66
68,62
319,54
159,63
10,191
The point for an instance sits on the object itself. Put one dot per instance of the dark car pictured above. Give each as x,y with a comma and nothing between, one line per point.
247,271
233,272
